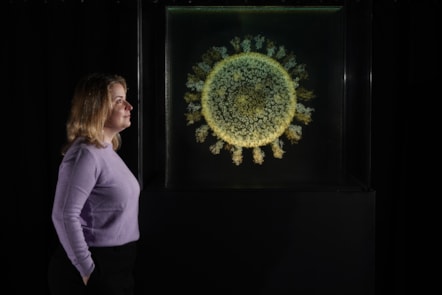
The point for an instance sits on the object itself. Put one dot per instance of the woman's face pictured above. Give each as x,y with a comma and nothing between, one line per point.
119,118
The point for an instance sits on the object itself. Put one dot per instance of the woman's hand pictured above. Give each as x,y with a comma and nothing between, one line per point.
85,280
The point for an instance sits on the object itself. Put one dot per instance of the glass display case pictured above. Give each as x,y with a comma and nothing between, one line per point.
275,95
256,132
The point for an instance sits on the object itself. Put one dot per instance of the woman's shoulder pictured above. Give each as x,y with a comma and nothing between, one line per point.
82,146
84,152
82,143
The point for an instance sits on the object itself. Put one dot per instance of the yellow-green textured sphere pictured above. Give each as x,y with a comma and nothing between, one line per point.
248,99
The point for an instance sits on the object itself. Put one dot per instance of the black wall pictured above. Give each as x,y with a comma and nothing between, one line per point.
48,45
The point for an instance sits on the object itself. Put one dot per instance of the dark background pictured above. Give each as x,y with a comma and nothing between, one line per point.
48,45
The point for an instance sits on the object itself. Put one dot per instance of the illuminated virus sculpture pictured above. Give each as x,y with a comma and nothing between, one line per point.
249,97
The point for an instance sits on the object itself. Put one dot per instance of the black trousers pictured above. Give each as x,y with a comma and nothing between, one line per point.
113,273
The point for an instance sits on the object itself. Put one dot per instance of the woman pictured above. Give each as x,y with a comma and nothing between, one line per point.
95,209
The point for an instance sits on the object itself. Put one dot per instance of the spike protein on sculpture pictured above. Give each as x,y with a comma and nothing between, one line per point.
248,98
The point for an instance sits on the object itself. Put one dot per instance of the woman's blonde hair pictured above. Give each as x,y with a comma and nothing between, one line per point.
91,105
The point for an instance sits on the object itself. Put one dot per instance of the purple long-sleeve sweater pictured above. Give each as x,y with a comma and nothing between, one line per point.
95,203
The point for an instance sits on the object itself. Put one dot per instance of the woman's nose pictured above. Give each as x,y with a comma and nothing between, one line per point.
129,106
